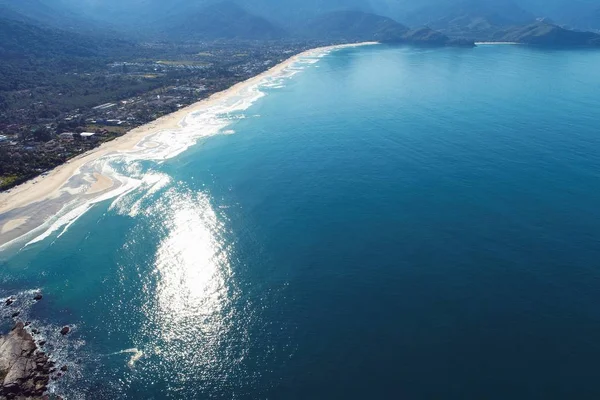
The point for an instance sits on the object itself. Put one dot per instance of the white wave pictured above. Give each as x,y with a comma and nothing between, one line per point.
69,215
136,355
212,120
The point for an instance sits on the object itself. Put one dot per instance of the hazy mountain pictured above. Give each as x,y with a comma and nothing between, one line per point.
48,13
543,33
476,19
353,26
426,12
327,19
429,37
224,20
285,11
582,14
295,11
411,12
20,39
587,20
572,12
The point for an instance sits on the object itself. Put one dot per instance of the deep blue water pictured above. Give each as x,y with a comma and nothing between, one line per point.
392,223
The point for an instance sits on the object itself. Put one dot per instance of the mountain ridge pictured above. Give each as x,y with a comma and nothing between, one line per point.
223,20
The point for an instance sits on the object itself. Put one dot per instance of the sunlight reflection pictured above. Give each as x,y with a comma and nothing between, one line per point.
188,262
191,279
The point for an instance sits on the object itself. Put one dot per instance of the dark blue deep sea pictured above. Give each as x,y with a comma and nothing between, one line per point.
392,223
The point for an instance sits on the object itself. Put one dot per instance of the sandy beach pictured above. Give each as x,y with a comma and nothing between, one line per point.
493,43
50,185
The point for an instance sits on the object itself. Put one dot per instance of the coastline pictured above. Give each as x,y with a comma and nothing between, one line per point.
495,43
52,185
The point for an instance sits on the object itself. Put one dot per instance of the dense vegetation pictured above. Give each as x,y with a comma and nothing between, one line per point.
580,14
354,25
224,20
542,33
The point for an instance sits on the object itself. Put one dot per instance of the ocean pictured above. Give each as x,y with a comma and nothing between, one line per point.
379,222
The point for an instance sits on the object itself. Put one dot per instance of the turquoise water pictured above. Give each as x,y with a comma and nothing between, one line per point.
390,223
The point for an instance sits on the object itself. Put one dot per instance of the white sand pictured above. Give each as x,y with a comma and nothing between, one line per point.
49,186
101,184
494,43
13,224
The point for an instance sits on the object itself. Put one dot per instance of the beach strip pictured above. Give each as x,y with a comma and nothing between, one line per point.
48,186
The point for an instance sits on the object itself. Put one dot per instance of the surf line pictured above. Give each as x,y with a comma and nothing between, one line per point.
136,355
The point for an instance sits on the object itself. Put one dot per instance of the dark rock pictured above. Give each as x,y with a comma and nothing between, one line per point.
27,372
42,343
16,314
65,330
9,301
38,297
27,323
11,388
35,331
64,368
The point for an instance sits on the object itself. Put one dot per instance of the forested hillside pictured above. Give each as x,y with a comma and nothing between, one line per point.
225,20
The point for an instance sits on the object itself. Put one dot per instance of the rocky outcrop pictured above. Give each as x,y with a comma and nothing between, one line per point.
24,370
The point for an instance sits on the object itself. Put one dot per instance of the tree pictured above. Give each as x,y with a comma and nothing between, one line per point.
42,135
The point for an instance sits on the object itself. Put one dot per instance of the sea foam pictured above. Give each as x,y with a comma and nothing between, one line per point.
123,168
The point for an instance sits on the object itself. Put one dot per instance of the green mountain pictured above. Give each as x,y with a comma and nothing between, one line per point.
475,19
51,13
353,26
224,20
20,39
588,20
429,37
546,34
32,54
279,11
437,13
580,14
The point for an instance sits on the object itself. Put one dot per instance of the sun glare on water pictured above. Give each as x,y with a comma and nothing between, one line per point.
191,291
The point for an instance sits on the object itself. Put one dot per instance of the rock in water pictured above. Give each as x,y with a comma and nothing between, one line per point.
22,370
65,330
38,297
9,301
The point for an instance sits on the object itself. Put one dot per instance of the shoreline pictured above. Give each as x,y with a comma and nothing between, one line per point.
495,43
51,186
